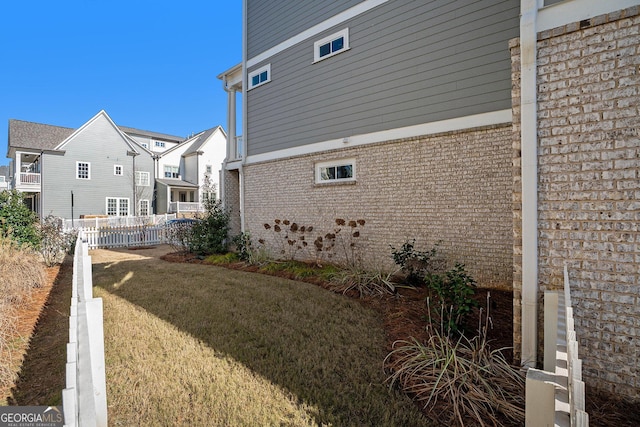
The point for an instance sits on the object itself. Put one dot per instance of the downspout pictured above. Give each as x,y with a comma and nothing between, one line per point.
244,114
529,167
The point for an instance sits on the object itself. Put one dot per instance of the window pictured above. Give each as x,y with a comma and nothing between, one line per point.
331,45
260,76
159,144
143,208
209,168
117,206
117,170
171,171
336,171
145,145
83,170
142,179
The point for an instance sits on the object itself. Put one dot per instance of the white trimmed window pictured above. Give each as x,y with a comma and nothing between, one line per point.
336,171
117,206
171,171
159,144
209,169
260,76
331,45
143,207
117,170
83,170
145,145
142,179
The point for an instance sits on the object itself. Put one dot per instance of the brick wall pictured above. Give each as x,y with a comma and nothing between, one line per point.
589,187
232,199
454,187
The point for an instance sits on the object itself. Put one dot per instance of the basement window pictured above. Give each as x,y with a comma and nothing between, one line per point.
336,171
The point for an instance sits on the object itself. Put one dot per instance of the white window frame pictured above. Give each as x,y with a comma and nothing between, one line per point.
118,206
145,145
335,164
160,144
173,168
78,163
147,205
344,34
140,182
254,73
209,169
118,170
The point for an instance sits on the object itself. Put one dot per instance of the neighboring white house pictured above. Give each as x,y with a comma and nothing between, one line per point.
188,172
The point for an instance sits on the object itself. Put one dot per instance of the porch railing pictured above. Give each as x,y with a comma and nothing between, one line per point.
115,221
29,179
178,207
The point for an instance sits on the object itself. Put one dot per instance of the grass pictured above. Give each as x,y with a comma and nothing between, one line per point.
203,345
21,271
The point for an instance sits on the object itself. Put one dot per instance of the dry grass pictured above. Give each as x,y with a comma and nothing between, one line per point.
460,378
20,272
202,345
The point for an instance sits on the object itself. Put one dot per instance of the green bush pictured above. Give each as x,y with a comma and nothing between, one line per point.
16,220
455,290
209,235
414,263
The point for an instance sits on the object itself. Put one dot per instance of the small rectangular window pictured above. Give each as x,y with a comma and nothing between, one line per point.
83,170
331,45
142,179
143,210
209,168
336,171
117,170
160,144
171,171
260,76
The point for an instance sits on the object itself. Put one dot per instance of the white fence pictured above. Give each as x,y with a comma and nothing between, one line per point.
117,237
84,399
115,221
555,396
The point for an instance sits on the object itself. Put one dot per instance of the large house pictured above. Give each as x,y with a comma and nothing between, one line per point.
506,130
102,169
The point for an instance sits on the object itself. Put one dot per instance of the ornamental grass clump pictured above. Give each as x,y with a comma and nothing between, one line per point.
463,379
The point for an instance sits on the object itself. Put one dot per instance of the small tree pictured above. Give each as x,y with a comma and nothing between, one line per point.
209,235
16,220
54,241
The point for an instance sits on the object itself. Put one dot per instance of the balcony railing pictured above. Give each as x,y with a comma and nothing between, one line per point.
178,207
29,181
239,148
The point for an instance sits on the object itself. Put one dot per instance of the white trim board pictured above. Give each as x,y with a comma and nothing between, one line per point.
315,30
449,125
559,14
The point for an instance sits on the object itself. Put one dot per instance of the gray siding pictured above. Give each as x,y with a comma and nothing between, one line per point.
265,20
101,146
410,63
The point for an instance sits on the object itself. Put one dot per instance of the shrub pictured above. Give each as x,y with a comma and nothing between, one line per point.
416,264
179,235
454,291
464,375
54,243
209,235
16,220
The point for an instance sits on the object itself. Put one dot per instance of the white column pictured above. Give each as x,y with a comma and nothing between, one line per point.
529,147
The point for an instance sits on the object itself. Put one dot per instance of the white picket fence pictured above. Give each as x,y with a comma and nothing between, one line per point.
555,396
115,221
84,400
118,237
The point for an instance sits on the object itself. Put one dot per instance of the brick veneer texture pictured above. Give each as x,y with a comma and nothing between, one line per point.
452,187
589,187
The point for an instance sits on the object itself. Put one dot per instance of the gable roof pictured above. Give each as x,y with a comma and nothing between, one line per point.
102,114
151,134
201,140
37,136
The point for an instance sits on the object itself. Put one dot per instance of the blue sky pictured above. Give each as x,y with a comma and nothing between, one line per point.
150,64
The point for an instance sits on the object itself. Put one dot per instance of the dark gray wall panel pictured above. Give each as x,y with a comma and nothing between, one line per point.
274,21
410,62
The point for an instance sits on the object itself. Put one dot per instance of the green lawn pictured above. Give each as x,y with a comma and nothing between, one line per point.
193,344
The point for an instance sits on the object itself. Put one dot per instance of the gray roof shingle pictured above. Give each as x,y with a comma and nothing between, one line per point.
36,135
